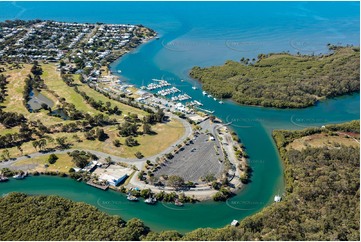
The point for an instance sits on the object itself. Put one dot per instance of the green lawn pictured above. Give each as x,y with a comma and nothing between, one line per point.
63,164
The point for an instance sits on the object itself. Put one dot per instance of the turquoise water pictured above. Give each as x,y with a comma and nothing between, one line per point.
206,34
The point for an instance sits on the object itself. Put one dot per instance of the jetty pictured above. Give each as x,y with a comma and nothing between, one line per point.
159,84
205,110
102,187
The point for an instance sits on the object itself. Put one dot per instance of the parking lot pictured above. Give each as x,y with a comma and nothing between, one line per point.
196,160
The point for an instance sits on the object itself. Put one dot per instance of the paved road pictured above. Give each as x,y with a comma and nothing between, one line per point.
132,161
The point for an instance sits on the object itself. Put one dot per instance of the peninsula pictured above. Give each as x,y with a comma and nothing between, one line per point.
283,80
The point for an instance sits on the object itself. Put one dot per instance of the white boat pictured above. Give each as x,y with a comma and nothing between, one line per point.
119,71
204,93
215,99
277,198
3,179
19,176
210,95
178,203
194,88
182,80
198,103
132,198
234,222
220,102
150,200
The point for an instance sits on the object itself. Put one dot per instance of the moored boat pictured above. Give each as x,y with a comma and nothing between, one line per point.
132,198
19,176
277,198
234,222
178,203
4,179
150,200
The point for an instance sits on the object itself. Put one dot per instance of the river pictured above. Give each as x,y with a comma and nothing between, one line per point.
206,34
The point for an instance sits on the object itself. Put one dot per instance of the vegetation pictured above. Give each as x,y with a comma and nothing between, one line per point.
321,203
283,80
84,127
82,158
175,181
54,218
52,158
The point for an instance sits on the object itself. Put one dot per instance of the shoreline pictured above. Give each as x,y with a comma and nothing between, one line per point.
198,194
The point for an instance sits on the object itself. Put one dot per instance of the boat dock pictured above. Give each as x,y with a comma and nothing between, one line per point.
181,97
205,110
168,91
160,84
102,187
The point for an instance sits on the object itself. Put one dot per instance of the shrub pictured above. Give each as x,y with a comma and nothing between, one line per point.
52,158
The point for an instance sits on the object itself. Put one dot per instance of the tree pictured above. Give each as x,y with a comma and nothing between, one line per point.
210,178
175,181
19,148
41,143
61,141
130,141
139,155
141,175
145,193
35,144
6,154
116,143
80,158
52,159
101,135
108,160
147,128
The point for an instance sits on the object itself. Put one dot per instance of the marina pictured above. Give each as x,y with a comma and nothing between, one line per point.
268,175
159,84
168,91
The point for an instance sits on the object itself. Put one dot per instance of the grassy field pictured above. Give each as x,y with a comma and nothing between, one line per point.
54,82
166,134
98,96
14,99
63,164
322,140
149,144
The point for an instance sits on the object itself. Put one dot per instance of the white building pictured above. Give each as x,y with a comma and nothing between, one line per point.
112,180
